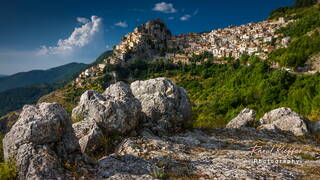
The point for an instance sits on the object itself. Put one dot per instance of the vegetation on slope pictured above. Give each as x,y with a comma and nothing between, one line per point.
220,92
304,32
298,51
289,10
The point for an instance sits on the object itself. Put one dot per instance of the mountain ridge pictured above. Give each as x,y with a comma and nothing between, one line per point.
29,92
39,76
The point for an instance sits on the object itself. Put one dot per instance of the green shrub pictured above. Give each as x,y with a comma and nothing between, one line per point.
8,170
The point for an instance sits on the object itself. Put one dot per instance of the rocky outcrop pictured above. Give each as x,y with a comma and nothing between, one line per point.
284,119
159,104
146,42
245,119
212,154
132,166
165,105
40,140
116,111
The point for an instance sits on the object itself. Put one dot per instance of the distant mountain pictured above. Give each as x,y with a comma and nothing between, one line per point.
13,99
26,88
2,75
40,76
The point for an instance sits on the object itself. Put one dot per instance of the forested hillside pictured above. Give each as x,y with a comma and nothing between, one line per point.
60,73
38,83
14,99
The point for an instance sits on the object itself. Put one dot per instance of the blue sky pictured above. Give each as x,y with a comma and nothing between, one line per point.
38,34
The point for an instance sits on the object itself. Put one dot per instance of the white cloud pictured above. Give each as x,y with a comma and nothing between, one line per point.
122,24
81,36
164,7
83,20
84,45
185,17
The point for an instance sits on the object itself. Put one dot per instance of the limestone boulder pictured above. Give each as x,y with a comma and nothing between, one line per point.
40,140
165,105
116,111
284,119
90,136
244,119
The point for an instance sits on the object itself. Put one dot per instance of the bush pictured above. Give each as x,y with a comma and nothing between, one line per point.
7,169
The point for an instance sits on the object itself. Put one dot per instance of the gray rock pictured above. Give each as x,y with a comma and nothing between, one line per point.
116,111
165,105
88,99
122,164
38,162
40,139
89,134
221,153
245,119
284,119
130,177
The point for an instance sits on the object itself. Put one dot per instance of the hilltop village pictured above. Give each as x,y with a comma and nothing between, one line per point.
253,38
153,41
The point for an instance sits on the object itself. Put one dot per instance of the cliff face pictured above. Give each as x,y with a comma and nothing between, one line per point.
147,41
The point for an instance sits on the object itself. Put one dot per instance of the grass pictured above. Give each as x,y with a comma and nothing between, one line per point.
77,118
157,172
306,156
8,170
